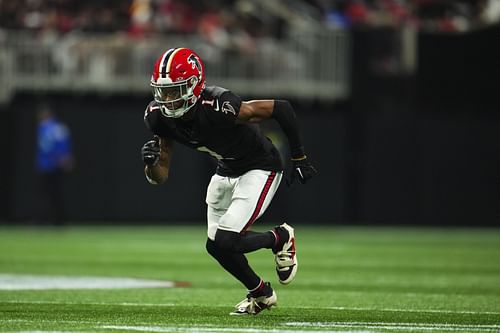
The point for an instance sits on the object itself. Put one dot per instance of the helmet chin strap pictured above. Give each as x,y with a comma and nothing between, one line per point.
172,113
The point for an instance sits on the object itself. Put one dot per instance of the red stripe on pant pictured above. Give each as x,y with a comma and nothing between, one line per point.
260,202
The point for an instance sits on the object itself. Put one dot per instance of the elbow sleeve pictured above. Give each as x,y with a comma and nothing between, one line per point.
284,114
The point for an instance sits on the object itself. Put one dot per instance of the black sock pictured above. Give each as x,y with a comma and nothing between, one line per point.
263,289
244,243
236,264
252,240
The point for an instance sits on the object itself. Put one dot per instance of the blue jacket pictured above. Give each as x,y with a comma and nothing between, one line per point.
53,145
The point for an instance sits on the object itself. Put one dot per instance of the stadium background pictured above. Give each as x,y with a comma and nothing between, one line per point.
404,131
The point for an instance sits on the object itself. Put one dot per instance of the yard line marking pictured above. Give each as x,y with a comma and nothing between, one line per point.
42,282
39,331
88,303
47,321
179,329
352,327
339,308
404,310
389,325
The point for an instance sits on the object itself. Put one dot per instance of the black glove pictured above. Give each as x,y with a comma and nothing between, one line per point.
151,151
301,170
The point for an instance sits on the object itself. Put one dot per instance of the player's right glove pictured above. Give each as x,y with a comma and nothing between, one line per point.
151,152
301,170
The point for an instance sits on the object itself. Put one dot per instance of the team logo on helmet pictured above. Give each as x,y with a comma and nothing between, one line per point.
195,63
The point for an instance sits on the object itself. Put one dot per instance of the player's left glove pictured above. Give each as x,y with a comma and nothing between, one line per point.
301,170
151,152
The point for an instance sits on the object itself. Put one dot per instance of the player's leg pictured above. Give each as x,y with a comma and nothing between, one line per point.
218,199
237,265
219,195
220,245
260,294
233,206
251,197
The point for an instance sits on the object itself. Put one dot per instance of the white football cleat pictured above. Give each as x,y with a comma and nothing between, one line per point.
285,258
254,305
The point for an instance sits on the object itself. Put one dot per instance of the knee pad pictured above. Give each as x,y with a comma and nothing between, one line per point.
212,248
227,240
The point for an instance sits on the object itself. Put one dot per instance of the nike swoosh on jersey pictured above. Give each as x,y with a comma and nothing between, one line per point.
300,173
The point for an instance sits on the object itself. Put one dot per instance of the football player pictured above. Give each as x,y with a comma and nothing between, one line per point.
214,120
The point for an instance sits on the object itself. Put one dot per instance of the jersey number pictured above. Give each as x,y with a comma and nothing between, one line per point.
211,152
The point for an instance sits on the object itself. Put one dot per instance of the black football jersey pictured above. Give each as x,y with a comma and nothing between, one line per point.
213,129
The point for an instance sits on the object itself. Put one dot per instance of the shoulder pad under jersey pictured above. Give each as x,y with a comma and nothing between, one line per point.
151,116
221,105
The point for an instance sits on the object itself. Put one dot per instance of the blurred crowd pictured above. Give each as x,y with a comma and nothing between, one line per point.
139,17
278,30
426,15
218,20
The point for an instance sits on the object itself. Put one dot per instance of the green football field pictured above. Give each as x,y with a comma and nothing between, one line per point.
349,280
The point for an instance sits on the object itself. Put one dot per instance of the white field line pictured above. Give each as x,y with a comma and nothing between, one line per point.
298,327
341,308
49,321
337,308
177,329
43,282
38,331
90,303
195,330
399,326
315,327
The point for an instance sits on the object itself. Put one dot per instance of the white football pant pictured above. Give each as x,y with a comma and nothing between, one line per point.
234,203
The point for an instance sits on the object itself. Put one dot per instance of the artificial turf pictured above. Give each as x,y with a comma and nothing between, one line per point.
349,280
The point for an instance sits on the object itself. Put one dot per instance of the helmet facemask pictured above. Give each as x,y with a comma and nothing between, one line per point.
175,99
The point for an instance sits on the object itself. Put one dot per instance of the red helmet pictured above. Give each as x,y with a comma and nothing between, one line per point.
177,81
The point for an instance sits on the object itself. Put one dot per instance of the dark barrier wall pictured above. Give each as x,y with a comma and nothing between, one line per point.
6,163
382,166
108,182
426,146
403,150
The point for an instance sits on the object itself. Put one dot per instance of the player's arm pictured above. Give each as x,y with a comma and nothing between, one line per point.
284,114
156,156
255,111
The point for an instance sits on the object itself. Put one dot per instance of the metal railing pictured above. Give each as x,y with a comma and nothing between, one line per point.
306,65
